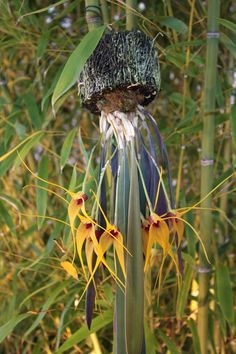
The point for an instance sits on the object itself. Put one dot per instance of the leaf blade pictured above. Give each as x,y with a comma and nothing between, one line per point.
76,61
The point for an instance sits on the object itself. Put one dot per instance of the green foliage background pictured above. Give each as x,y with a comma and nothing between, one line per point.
36,38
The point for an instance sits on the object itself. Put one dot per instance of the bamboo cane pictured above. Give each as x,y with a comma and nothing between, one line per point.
206,227
93,14
131,19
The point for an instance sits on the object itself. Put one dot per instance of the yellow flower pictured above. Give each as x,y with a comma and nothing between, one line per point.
76,203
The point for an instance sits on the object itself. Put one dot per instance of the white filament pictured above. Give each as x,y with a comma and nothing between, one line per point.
121,125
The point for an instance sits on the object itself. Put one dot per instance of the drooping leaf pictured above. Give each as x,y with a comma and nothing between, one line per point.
196,342
49,301
26,148
169,343
33,110
76,61
99,322
8,327
66,147
41,193
224,293
227,24
174,23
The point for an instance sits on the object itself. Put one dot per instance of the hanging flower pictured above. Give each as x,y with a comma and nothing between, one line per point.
76,203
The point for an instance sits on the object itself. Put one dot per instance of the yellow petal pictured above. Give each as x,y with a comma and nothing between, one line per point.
70,269
150,243
74,207
82,233
179,228
89,254
162,236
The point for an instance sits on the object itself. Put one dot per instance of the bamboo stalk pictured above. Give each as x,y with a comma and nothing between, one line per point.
131,19
93,14
206,226
105,13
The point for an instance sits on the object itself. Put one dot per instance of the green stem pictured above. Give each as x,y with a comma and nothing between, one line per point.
105,13
93,14
134,292
121,218
206,226
131,18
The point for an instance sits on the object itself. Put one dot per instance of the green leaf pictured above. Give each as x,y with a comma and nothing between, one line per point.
99,322
228,24
11,201
33,110
134,292
196,342
184,291
122,202
228,43
170,345
50,300
27,147
8,327
76,62
173,23
224,293
42,44
233,126
7,219
42,195
66,147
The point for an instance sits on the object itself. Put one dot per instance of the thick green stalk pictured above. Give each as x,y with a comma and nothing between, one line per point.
131,18
93,14
206,227
134,292
121,218
105,13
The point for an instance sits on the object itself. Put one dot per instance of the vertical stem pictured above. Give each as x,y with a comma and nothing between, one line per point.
131,19
122,202
105,14
206,227
93,14
134,292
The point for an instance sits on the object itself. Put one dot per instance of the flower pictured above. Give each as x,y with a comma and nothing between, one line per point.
76,203
158,233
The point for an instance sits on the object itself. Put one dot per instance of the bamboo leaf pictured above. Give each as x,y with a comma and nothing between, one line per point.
33,110
8,327
196,342
66,147
26,148
227,24
170,345
184,291
50,300
173,23
224,293
41,193
7,219
76,61
99,322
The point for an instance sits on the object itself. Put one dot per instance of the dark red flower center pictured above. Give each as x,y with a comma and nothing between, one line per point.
88,225
79,201
156,224
114,233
